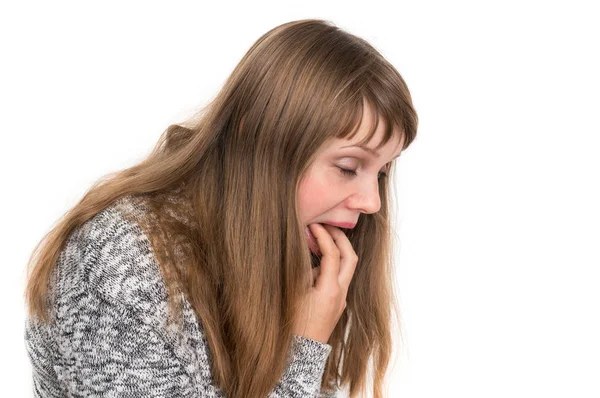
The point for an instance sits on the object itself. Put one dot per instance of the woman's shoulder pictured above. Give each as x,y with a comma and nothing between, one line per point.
109,256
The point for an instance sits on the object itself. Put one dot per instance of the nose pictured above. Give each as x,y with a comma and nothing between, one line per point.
366,198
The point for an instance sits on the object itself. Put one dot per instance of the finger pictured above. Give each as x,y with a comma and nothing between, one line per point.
348,258
330,261
315,272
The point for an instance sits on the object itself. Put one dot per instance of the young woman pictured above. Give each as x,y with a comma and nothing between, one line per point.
249,254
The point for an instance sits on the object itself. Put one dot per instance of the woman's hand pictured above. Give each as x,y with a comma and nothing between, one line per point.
326,301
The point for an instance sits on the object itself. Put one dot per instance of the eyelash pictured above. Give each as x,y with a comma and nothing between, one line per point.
353,173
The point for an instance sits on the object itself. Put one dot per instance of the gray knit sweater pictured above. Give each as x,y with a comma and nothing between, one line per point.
110,338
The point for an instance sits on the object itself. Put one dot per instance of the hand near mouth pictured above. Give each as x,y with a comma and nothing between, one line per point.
326,301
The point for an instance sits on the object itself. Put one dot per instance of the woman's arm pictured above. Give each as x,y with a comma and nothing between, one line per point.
109,339
99,349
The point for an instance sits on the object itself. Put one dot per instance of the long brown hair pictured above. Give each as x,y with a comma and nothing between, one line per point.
241,257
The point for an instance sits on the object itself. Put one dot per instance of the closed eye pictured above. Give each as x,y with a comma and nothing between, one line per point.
349,172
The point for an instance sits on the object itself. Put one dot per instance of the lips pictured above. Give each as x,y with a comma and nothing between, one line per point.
341,224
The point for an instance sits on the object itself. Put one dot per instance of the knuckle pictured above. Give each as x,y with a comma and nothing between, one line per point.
334,293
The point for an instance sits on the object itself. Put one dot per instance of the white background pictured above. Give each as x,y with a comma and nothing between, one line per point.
498,221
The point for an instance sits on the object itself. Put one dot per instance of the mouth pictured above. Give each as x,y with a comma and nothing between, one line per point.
312,242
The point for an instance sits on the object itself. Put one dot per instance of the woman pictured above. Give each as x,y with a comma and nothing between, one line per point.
189,274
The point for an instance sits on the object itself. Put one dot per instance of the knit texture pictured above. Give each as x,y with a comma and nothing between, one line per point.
109,336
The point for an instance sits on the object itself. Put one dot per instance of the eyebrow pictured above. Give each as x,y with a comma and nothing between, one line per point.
369,150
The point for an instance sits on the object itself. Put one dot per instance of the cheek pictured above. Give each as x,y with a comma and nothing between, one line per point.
312,196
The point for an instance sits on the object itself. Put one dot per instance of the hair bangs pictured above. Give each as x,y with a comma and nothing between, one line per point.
354,116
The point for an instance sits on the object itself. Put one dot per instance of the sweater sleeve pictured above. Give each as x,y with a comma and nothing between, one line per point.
108,352
109,338
304,373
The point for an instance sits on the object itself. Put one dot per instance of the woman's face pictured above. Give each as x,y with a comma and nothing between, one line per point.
329,195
